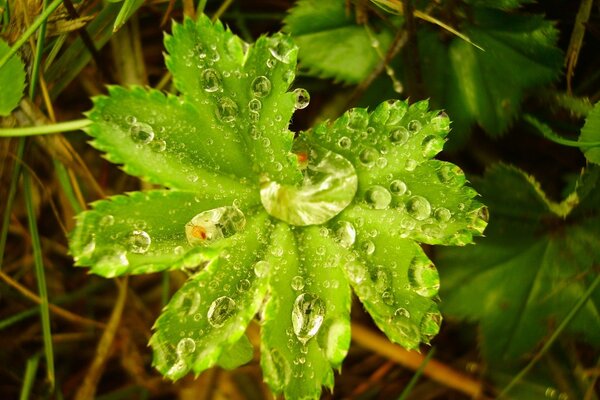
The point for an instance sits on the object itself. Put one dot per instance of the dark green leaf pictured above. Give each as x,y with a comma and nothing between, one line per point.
591,133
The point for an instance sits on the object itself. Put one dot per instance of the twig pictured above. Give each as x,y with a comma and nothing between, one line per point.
435,370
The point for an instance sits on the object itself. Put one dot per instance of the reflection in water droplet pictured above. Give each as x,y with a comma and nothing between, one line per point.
356,272
185,347
243,285
345,142
227,110
328,187
399,136
261,268
368,156
442,214
418,207
138,242
398,187
423,277
302,98
367,247
414,126
158,145
345,233
430,324
378,197
215,224
261,86
210,80
254,105
220,311
297,282
107,220
307,316
281,49
432,145
403,330
141,133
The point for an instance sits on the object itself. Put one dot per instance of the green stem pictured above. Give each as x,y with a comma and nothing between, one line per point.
74,125
30,31
41,277
12,191
29,379
553,337
550,135
415,378
39,52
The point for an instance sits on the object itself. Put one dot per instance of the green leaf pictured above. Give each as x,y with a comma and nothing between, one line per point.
487,87
331,44
240,90
129,7
306,322
212,309
591,133
128,234
12,81
237,354
536,261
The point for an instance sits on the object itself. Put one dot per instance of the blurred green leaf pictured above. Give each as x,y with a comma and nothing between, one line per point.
591,133
12,81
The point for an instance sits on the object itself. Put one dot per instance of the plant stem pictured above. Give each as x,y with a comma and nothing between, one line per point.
74,125
30,31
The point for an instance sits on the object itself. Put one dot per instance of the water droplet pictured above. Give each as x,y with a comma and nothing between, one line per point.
367,247
302,98
378,197
368,156
403,330
451,175
185,347
410,165
261,86
141,133
307,316
210,80
414,126
328,187
107,220
297,282
430,324
261,268
442,214
432,145
399,136
345,233
345,142
423,277
243,285
220,311
356,272
254,105
398,187
357,119
483,214
281,49
418,207
138,242
227,110
215,224
158,145
441,122
387,297
402,312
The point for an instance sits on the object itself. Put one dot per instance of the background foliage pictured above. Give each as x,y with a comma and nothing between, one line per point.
519,80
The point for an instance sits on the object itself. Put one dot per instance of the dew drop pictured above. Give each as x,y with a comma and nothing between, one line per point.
367,247
243,285
227,110
210,80
254,105
158,145
397,187
141,133
356,272
403,330
281,50
402,312
302,98
414,126
378,197
138,242
399,136
261,86
211,225
185,347
297,282
430,324
432,145
107,220
423,277
345,234
387,297
345,142
307,316
442,214
368,156
418,207
261,268
220,311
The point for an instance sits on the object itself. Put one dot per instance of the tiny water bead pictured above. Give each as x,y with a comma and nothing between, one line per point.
210,80
141,133
418,207
138,242
368,156
345,234
185,347
211,225
423,277
378,197
442,214
227,109
328,187
158,145
302,98
261,86
308,313
345,142
356,272
220,311
297,282
262,268
254,105
398,187
414,126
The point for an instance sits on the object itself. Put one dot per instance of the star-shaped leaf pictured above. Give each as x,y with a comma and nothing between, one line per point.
270,225
537,259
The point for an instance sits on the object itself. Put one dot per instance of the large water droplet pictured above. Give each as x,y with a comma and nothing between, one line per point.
430,324
418,207
378,197
141,133
261,86
227,110
138,242
307,316
210,80
185,347
302,98
442,214
281,50
432,145
397,187
403,330
220,311
261,268
423,277
328,187
399,136
414,126
356,272
345,233
215,224
367,247
368,156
